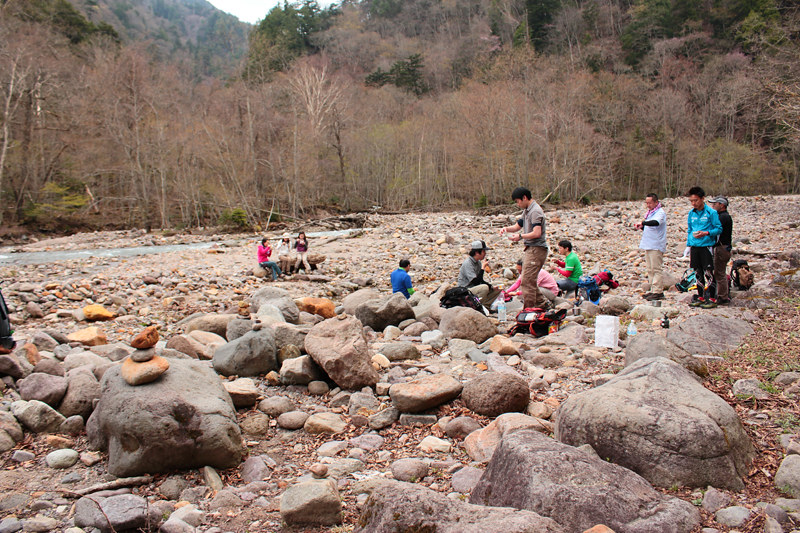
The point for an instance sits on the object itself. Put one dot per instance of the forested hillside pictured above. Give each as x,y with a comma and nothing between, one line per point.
401,104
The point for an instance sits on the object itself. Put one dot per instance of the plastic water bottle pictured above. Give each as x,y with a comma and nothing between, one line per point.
632,329
501,309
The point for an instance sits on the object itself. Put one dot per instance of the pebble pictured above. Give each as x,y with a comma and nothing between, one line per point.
64,458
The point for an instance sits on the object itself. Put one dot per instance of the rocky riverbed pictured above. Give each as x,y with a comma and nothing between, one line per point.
426,396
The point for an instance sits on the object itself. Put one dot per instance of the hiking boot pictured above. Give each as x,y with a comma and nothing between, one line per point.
697,301
654,296
723,301
710,304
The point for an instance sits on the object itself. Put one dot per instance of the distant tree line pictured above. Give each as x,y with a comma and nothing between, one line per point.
400,104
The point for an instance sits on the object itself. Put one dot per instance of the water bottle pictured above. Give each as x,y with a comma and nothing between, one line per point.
631,329
501,309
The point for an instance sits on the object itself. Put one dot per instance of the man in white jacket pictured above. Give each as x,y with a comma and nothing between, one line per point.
654,244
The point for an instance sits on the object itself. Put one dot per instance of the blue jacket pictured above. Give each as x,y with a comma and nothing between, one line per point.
704,220
401,282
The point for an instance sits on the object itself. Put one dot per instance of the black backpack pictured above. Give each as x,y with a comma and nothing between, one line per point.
538,322
461,297
6,341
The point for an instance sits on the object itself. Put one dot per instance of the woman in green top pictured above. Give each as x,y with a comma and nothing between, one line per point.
570,268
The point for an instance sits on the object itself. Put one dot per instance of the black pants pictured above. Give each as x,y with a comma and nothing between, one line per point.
702,261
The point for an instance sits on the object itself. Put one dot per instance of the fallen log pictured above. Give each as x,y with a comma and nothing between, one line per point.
116,484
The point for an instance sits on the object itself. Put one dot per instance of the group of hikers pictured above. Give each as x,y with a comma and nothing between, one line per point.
708,245
290,256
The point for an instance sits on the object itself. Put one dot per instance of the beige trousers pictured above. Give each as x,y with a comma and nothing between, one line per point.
655,270
483,293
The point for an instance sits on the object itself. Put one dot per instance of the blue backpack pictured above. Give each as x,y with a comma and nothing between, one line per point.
589,290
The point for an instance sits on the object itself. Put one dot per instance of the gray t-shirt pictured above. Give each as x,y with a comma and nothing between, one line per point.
470,270
534,216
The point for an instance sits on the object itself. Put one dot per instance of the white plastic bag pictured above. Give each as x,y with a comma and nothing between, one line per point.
606,331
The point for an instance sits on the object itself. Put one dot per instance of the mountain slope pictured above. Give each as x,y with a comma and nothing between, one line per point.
192,31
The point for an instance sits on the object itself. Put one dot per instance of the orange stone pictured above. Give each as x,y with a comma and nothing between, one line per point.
140,373
317,306
146,339
31,353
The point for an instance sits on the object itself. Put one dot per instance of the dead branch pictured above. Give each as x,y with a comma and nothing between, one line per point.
116,484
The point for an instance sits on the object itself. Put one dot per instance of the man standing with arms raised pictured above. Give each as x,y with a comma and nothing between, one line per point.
654,244
722,250
531,230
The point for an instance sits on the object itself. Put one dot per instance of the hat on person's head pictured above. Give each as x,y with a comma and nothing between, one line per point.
478,245
720,200
286,236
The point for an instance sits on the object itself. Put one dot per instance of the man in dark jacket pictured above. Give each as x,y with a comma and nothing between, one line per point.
722,250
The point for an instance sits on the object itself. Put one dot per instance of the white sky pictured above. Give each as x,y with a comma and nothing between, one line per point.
253,10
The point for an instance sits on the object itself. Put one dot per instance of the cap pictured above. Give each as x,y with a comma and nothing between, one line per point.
719,200
478,245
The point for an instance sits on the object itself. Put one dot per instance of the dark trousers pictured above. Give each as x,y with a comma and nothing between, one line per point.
722,255
702,261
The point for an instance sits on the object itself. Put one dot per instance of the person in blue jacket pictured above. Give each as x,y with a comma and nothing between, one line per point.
401,281
703,228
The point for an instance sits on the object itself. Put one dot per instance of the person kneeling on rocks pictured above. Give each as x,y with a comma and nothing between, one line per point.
471,274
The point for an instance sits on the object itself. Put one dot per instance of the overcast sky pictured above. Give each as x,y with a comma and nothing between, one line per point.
252,10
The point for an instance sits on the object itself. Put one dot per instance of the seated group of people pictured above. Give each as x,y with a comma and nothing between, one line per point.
471,276
290,255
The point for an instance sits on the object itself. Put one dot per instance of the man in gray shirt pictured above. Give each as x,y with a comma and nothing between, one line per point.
531,230
471,274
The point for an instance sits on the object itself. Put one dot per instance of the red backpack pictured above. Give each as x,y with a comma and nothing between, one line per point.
538,322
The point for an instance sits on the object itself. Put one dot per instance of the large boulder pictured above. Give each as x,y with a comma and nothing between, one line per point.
46,388
279,298
480,444
388,311
339,346
495,393
649,344
424,393
466,323
705,334
213,322
250,355
614,305
353,300
656,419
184,420
397,506
300,371
577,488
286,333
82,390
37,416
317,306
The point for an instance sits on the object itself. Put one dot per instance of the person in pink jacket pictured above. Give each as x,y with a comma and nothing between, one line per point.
264,253
547,285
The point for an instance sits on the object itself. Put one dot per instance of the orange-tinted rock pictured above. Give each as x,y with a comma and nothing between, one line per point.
140,373
97,312
91,336
317,306
146,339
31,353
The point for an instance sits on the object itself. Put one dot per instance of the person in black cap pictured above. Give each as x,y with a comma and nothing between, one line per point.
722,250
471,274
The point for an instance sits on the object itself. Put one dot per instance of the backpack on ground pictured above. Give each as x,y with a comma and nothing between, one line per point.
741,276
688,282
589,289
538,322
6,341
461,297
606,278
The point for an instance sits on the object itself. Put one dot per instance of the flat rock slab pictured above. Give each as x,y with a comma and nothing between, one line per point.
577,489
707,334
396,506
424,393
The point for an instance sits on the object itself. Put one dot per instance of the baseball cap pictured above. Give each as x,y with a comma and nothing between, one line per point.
719,200
478,245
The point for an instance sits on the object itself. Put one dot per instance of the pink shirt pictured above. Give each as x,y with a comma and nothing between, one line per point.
545,281
263,253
